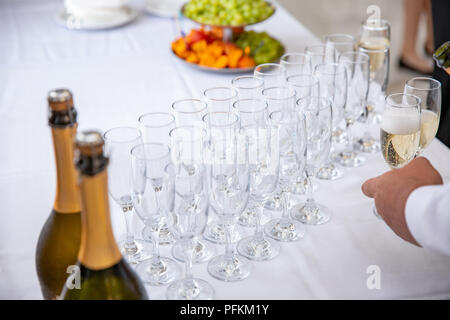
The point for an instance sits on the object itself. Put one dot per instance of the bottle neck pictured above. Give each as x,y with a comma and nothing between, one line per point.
98,248
67,198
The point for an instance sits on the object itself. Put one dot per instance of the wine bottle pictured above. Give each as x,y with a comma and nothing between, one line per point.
442,56
102,273
59,239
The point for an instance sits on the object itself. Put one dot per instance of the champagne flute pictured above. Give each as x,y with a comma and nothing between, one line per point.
321,54
191,215
357,66
272,74
305,85
155,127
296,63
229,192
291,129
278,98
187,149
153,198
400,131
341,42
188,112
379,78
429,92
118,143
220,99
221,125
332,85
264,168
318,114
248,87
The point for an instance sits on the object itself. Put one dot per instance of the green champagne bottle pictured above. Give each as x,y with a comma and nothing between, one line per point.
442,56
101,273
59,240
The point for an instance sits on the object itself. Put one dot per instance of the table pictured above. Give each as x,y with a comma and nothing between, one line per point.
119,74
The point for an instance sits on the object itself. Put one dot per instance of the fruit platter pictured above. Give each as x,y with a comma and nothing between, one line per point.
222,43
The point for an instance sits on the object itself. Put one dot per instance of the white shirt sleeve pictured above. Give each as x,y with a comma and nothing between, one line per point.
427,214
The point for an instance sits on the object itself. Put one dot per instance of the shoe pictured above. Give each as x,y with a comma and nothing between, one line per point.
403,64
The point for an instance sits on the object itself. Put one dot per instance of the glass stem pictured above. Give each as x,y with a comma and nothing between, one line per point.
129,240
229,251
189,251
155,238
310,190
285,198
349,142
259,231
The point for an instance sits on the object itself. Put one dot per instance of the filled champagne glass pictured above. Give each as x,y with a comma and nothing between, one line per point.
400,131
429,92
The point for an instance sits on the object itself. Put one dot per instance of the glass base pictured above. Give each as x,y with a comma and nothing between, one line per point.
165,236
367,144
202,252
135,254
311,214
286,231
215,232
248,217
339,135
349,159
329,172
258,248
166,271
274,203
230,269
193,289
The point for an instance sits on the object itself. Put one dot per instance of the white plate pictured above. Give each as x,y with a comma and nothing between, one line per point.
164,8
74,23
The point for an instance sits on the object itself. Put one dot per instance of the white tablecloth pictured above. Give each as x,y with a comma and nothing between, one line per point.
119,74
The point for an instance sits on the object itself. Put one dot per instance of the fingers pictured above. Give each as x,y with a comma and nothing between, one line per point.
369,187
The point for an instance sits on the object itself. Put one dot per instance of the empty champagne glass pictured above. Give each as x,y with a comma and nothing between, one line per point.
248,87
229,192
118,144
278,98
332,85
155,127
264,168
220,125
292,149
400,131
190,215
429,92
187,149
188,112
296,63
357,66
153,199
220,99
379,78
320,54
305,85
318,113
272,74
341,42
